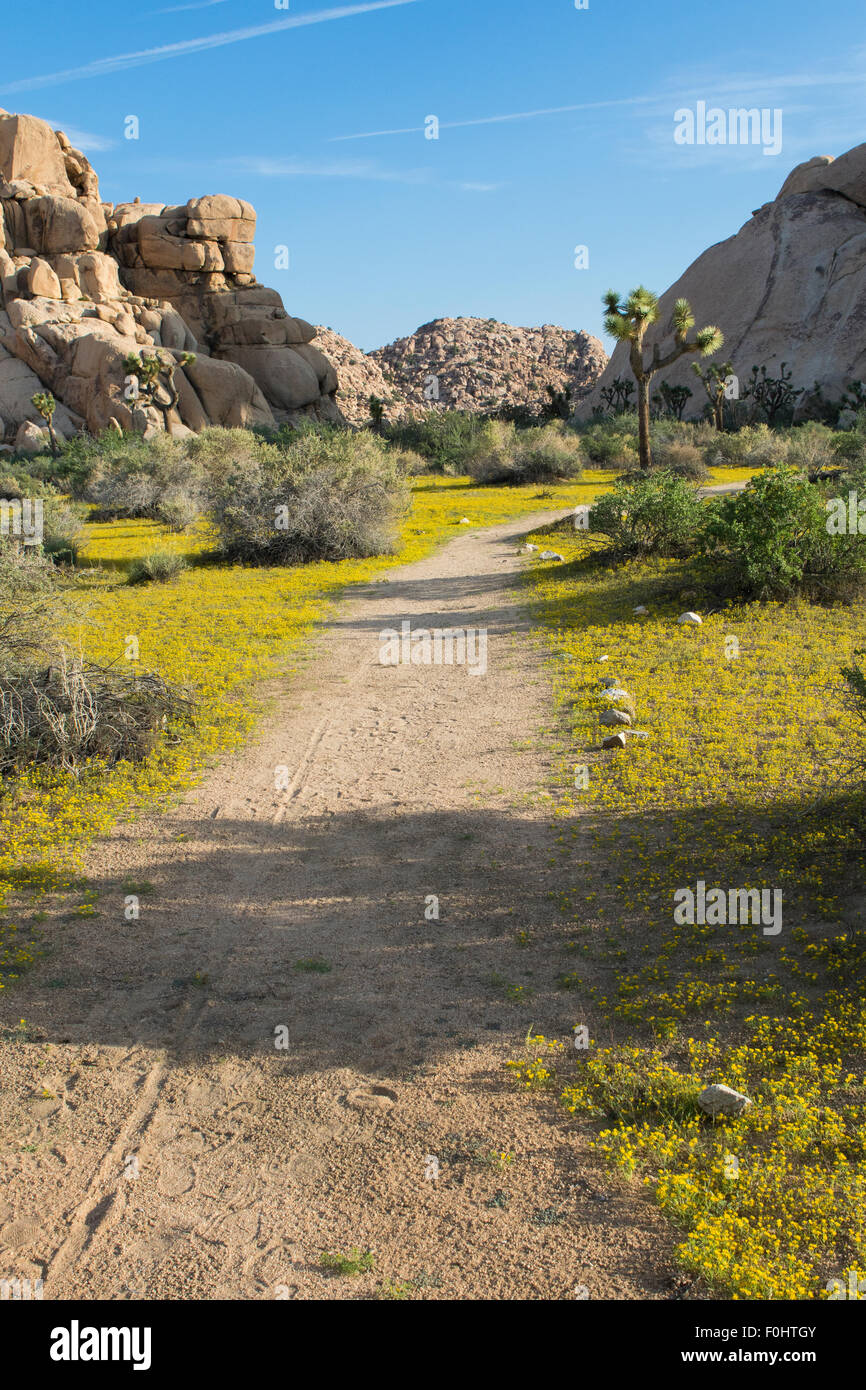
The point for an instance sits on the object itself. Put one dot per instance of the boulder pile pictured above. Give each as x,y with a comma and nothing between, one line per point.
84,285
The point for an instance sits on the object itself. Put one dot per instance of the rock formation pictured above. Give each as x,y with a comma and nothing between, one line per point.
360,377
83,285
482,365
790,287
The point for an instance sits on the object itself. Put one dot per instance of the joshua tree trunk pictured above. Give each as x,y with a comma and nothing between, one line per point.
55,448
643,379
643,421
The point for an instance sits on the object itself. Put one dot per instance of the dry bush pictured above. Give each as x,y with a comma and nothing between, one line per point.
69,712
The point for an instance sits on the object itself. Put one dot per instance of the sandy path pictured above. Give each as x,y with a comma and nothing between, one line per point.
164,1147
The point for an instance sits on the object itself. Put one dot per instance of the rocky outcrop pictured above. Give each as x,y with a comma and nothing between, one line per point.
790,287
360,377
84,284
482,365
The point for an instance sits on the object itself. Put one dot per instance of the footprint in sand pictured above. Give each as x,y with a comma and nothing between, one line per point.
371,1098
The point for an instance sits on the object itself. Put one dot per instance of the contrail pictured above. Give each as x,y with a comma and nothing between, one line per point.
102,66
496,120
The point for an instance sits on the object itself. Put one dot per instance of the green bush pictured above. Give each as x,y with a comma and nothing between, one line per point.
447,439
654,513
753,446
612,442
158,566
810,447
681,457
543,453
770,541
329,494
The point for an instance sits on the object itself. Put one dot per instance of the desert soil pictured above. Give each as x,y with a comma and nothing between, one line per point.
164,1147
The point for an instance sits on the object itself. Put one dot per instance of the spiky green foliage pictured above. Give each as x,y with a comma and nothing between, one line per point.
46,405
628,321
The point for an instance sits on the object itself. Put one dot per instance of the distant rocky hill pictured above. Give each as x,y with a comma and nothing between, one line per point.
482,365
790,287
359,376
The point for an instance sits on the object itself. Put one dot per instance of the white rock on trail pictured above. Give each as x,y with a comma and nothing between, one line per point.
722,1100
615,741
612,717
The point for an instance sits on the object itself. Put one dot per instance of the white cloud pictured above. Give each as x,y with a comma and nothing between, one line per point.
83,140
333,169
102,66
199,5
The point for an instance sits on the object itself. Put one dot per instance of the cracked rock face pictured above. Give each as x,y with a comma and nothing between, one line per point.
83,284
790,286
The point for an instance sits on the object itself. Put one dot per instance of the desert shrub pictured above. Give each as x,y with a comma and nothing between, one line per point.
62,526
771,541
753,446
66,713
56,710
447,439
849,450
327,495
680,457
539,454
657,512
548,453
158,566
31,601
611,442
809,447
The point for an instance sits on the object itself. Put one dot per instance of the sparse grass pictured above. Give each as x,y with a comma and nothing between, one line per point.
356,1262
312,965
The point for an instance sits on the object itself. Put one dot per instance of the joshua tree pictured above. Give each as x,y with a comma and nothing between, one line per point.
715,383
672,399
616,396
46,405
377,414
773,394
559,407
149,373
628,323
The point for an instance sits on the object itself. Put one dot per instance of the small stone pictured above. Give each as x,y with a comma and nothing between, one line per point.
464,521
721,1100
640,609
615,741
693,618
604,658
612,717
551,555
529,547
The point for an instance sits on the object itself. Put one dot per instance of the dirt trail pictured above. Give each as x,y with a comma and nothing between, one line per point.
164,1147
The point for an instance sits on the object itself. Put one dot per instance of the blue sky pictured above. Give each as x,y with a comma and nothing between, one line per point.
389,230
